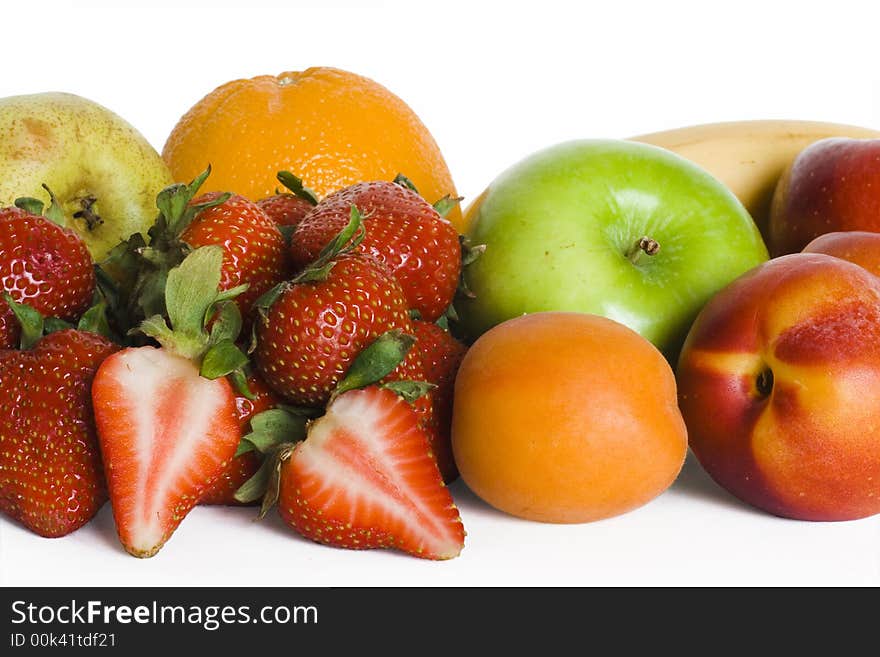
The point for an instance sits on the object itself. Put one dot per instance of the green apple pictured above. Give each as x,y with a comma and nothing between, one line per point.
615,228
103,172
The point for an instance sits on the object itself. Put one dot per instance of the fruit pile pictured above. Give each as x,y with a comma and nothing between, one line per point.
276,312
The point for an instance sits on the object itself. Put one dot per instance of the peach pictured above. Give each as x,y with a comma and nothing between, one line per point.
779,384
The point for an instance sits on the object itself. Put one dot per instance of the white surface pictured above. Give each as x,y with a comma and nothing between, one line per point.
493,83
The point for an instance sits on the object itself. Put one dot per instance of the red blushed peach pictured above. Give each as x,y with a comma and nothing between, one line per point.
858,246
779,385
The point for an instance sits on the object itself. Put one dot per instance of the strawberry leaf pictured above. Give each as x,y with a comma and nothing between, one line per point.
267,480
345,241
296,187
222,359
409,390
30,204
156,328
227,323
31,322
191,289
94,320
54,212
265,301
470,253
403,181
231,293
270,429
444,205
55,324
287,233
376,361
239,380
255,487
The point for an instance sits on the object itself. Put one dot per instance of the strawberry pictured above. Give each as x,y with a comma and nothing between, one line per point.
403,231
363,478
254,251
51,479
288,209
43,265
242,467
362,475
166,417
253,247
440,355
316,325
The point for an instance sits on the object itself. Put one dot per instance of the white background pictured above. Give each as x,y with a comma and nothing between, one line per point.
493,83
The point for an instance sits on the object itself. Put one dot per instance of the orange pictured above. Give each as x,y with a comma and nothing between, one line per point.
330,127
566,417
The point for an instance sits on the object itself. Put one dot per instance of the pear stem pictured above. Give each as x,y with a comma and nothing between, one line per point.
643,246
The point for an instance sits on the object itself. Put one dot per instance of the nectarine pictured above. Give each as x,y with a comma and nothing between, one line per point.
779,383
566,417
858,246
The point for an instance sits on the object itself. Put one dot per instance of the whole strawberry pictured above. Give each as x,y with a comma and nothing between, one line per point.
310,334
289,208
253,247
43,265
254,250
440,355
51,478
403,231
242,467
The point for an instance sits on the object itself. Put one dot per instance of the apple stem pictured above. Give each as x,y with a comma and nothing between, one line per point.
644,245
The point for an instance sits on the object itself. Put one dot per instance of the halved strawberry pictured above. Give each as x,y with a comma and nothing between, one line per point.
364,478
166,435
166,417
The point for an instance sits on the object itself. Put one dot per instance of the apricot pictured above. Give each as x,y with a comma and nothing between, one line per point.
566,417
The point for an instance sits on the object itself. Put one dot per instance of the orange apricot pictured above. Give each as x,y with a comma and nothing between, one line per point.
566,417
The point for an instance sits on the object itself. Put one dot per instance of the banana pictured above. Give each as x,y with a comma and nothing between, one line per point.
750,156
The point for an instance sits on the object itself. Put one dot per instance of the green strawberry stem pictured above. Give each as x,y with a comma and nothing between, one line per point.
192,299
403,181
271,428
375,362
266,481
348,239
345,241
31,322
53,213
30,204
296,187
444,205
